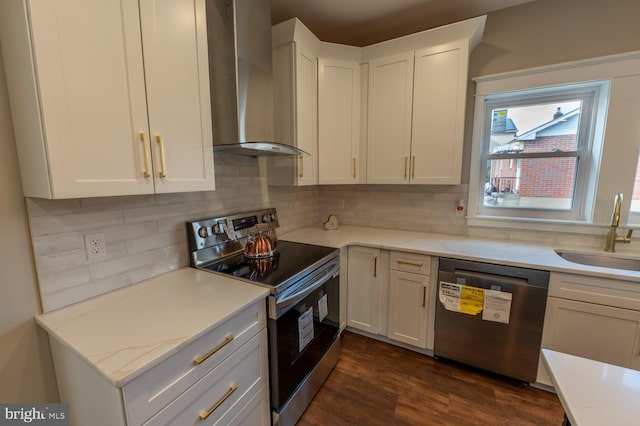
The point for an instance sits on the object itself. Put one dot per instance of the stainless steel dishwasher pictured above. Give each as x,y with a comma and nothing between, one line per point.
491,316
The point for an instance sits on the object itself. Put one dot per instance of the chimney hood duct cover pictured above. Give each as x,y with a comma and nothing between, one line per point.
239,43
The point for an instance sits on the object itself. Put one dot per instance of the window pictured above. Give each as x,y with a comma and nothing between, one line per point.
536,151
634,207
536,157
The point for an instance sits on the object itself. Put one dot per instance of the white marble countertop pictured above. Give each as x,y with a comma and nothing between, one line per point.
592,392
124,333
492,251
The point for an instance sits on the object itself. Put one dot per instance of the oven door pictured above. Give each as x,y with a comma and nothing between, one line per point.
302,327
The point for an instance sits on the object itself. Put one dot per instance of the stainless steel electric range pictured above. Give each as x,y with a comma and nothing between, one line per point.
302,306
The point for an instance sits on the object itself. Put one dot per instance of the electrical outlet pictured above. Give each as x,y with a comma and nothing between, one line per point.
95,245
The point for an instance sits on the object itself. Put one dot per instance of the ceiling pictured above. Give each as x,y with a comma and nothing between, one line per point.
364,22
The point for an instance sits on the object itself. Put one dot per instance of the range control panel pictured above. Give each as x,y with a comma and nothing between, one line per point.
205,233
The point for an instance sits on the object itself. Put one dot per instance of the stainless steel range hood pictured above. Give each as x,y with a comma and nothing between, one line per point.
239,39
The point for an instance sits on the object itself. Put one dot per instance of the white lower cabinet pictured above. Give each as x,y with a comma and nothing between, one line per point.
389,294
408,301
593,318
408,298
219,379
363,289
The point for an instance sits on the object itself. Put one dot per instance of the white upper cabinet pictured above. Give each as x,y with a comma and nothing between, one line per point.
416,103
389,119
177,82
439,98
338,121
295,74
416,115
92,115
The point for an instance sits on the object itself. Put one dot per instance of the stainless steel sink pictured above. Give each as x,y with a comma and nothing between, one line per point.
602,260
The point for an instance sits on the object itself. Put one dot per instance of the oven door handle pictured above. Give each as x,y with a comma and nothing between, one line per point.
308,288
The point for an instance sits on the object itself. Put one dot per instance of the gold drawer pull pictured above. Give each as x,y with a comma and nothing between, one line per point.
410,262
301,166
163,167
413,167
145,152
199,360
354,168
406,160
205,414
375,266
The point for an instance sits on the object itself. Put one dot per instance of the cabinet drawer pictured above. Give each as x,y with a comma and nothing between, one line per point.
410,262
160,385
603,291
224,392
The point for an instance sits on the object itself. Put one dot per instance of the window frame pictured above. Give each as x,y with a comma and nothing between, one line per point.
619,140
589,94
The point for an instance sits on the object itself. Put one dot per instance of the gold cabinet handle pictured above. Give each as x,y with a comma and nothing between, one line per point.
145,150
200,359
413,167
409,262
375,266
354,168
205,414
301,166
163,167
406,161
424,297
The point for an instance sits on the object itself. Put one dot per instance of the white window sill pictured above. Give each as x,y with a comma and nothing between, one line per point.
547,225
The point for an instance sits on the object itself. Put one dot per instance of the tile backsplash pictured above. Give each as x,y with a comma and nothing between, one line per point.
145,235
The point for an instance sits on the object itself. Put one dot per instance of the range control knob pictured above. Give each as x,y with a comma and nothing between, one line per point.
273,217
203,232
218,228
266,218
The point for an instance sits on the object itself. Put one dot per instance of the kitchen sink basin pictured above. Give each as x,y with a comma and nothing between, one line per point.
602,260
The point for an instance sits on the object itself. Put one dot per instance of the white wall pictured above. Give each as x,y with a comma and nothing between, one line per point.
26,370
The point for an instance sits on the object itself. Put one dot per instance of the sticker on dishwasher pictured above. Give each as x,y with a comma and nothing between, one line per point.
323,309
305,329
497,306
461,298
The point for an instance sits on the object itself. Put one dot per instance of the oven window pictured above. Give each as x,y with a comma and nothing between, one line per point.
299,339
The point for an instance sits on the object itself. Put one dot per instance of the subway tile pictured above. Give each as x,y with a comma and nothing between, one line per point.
51,282
86,221
79,293
154,241
60,243
142,214
42,207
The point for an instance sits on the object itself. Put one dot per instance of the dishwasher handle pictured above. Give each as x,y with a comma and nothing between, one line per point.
491,277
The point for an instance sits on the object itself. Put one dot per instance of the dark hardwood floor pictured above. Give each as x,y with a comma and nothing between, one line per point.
375,383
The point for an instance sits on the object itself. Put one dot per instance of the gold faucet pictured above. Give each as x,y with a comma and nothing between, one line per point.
612,235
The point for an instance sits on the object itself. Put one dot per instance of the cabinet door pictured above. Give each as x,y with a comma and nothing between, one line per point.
338,121
90,74
177,81
597,332
389,119
439,97
408,301
306,99
363,296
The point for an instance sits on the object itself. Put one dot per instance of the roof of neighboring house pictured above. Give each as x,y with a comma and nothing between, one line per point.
566,124
510,127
